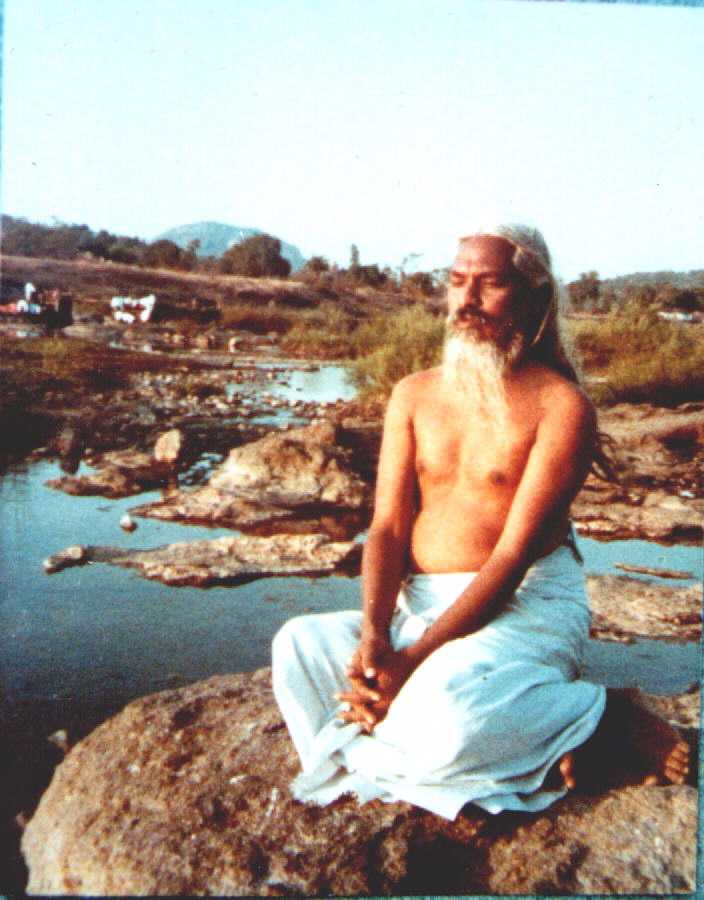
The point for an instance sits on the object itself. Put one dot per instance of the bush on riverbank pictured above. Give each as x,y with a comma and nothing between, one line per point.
256,318
328,332
633,357
390,348
636,357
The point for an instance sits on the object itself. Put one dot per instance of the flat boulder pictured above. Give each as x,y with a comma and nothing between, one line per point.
283,475
299,467
119,473
186,792
223,560
625,608
606,511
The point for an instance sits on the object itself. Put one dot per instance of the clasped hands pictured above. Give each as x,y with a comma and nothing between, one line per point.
376,673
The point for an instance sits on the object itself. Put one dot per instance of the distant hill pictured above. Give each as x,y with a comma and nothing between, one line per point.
216,237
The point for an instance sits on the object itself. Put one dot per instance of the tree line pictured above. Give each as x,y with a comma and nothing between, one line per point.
258,256
661,291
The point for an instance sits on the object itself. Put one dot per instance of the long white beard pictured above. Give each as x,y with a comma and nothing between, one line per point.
476,368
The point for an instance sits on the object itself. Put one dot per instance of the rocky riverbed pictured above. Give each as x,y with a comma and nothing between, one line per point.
185,791
658,455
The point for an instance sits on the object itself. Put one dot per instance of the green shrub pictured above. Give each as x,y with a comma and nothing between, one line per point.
259,319
636,357
389,348
326,332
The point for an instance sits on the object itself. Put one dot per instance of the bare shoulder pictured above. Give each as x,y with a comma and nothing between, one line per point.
414,389
563,404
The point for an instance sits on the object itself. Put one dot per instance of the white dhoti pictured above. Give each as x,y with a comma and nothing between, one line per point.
481,720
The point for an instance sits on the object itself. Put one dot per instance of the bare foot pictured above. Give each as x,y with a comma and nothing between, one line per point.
567,770
631,745
562,774
650,743
663,754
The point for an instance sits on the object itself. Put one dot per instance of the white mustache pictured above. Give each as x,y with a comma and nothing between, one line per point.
470,315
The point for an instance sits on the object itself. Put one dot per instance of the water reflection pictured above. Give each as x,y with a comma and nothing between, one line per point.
67,636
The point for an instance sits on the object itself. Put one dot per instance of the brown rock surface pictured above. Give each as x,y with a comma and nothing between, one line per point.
282,474
626,608
223,560
602,510
119,473
186,792
659,458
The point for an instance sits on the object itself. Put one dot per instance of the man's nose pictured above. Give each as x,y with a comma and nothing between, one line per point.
471,296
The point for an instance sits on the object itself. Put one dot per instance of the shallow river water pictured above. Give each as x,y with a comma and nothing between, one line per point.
89,639
98,633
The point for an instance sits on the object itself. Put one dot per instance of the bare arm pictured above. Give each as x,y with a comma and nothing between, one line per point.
557,466
384,564
385,556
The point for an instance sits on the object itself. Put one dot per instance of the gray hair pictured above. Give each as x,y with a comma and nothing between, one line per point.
531,255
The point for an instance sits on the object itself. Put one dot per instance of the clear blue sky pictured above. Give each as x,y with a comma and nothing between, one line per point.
394,124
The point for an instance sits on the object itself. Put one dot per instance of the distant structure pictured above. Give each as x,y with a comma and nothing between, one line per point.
129,309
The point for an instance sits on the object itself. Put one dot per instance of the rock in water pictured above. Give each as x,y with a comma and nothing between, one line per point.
227,559
75,555
304,466
127,523
282,475
118,473
170,446
186,792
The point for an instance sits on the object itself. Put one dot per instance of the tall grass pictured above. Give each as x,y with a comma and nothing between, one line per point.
637,357
326,332
32,365
387,349
258,318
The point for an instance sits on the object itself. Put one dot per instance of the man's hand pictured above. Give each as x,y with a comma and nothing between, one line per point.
371,650
377,673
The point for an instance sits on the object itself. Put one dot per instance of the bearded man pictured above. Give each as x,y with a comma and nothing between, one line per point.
460,679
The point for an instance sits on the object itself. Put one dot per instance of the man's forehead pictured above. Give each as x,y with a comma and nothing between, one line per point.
484,252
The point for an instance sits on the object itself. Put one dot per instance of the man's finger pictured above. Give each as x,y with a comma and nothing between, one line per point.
366,691
358,713
361,693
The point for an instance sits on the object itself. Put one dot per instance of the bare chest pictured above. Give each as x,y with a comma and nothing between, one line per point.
456,448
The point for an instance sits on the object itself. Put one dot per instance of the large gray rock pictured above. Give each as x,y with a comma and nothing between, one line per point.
298,467
119,473
605,511
626,608
659,455
186,792
222,560
282,475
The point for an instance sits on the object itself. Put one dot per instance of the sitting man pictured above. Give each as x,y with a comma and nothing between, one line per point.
460,680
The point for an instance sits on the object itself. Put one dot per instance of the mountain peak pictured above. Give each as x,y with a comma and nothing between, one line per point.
216,237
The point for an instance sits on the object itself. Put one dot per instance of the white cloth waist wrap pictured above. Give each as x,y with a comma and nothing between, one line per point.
481,720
